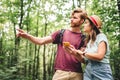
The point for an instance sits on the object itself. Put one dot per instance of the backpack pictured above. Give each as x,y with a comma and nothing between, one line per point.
59,38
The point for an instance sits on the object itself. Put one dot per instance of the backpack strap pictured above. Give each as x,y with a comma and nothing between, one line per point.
82,43
59,37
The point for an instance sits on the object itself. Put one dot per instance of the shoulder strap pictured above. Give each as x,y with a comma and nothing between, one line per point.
61,35
82,43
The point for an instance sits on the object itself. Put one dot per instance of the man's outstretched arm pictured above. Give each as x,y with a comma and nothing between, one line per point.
36,40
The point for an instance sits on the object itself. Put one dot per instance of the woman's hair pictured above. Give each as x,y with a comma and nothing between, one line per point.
95,32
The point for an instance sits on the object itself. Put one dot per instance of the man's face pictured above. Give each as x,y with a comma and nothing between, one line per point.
76,21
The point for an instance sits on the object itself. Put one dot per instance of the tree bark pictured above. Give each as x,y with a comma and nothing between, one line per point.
79,3
1,50
21,15
44,60
118,3
73,6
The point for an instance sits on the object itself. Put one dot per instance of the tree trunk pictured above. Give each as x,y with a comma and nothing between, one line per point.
37,51
30,66
79,3
1,49
34,64
118,3
73,6
21,15
38,64
44,60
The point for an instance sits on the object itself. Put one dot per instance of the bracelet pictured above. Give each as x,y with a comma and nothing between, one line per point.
84,53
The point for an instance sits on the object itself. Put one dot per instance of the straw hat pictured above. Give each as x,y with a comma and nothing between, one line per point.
96,20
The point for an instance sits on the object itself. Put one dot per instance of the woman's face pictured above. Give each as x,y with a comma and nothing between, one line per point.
87,27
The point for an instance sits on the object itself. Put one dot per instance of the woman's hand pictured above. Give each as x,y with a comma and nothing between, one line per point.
80,52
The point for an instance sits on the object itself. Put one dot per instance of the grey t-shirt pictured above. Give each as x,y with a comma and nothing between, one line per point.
94,47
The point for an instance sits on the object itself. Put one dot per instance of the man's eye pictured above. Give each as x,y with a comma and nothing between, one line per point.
74,17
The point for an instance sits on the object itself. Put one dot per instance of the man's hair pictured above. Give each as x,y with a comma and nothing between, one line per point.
83,13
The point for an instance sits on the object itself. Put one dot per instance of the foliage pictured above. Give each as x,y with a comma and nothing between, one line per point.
22,60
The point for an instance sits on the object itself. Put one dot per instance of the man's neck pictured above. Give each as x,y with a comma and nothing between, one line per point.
75,29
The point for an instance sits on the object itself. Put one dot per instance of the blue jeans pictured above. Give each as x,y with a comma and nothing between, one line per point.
97,71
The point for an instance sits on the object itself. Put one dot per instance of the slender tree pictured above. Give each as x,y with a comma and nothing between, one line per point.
118,3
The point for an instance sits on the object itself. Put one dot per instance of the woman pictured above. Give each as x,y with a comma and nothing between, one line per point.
96,53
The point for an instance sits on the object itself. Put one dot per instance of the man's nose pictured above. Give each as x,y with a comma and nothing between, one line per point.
71,19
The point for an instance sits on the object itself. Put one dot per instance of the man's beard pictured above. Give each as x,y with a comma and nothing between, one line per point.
75,25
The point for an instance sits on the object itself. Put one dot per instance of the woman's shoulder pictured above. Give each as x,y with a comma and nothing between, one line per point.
101,37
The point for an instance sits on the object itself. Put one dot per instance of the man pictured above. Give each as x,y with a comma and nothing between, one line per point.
67,67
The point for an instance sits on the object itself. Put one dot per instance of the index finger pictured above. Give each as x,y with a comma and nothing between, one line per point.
20,30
